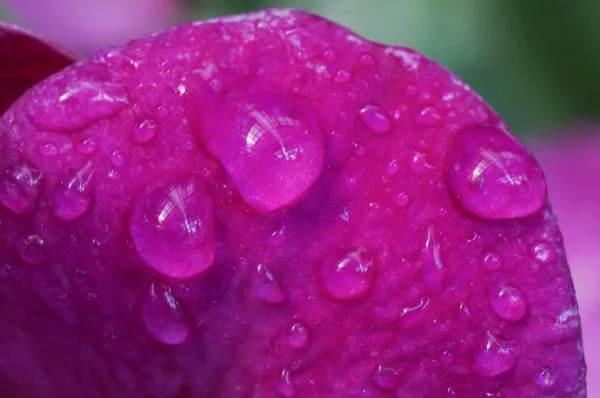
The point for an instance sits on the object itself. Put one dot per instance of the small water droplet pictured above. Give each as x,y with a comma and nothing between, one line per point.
31,249
285,386
419,164
508,302
270,145
348,277
433,271
163,316
267,287
401,199
376,119
87,146
19,188
386,377
492,261
543,253
496,357
144,131
393,167
412,316
429,116
298,335
73,196
367,59
330,55
342,76
492,176
545,378
48,149
359,149
446,357
116,158
172,227
277,237
411,90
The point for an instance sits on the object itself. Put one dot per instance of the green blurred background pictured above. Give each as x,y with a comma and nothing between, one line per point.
535,61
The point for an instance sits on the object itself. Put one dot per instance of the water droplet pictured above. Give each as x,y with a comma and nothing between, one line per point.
412,316
19,188
48,149
359,149
72,199
496,357
491,261
393,167
367,59
285,386
411,90
277,237
543,253
81,102
433,271
446,357
419,164
143,131
267,287
31,249
401,199
172,227
376,119
87,146
116,158
429,116
163,316
508,302
545,378
330,55
348,277
298,335
270,145
342,76
494,177
386,377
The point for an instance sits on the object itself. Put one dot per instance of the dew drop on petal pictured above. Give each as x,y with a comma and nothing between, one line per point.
376,119
163,316
266,286
508,302
277,237
496,356
143,131
173,230
285,386
348,277
429,116
386,377
367,59
543,253
48,149
342,76
298,335
433,271
491,261
87,146
492,176
412,316
19,187
73,196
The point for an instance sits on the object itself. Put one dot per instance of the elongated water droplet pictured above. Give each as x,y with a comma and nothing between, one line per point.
73,196
419,164
376,119
349,276
172,227
508,302
19,188
492,176
433,271
412,316
277,237
496,357
143,131
492,261
163,316
285,386
298,335
267,287
270,145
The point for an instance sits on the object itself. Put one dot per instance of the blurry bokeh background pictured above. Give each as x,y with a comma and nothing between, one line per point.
536,62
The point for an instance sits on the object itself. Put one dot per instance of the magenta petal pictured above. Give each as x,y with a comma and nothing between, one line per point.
25,59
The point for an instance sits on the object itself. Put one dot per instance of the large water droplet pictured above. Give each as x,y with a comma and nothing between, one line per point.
376,119
492,176
172,227
386,377
508,302
433,270
163,316
349,276
285,386
81,102
72,199
19,188
412,316
266,286
298,335
496,357
545,378
270,145
143,131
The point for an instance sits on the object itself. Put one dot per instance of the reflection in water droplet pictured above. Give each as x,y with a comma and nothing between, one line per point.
267,287
298,335
508,302
163,316
285,386
545,378
433,270
386,377
492,176
429,116
172,227
143,131
543,253
492,261
496,357
348,277
342,76
73,196
19,188
270,145
376,119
